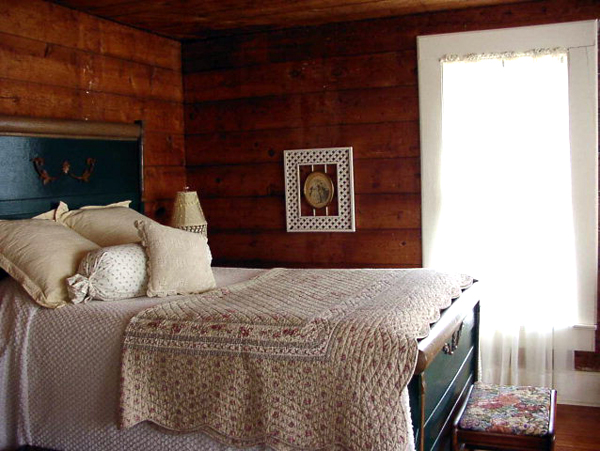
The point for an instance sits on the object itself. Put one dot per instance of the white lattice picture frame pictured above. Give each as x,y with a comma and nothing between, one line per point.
339,217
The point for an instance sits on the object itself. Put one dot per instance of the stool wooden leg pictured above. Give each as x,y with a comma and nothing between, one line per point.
552,419
454,440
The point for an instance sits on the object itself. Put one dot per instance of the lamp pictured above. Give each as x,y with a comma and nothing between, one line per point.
188,214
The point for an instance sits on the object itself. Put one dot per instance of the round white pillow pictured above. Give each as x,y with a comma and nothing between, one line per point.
109,274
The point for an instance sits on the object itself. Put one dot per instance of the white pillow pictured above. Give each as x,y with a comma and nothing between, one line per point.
110,225
178,261
110,274
40,255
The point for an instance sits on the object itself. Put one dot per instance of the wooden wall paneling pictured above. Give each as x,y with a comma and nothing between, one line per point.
248,97
243,213
371,36
199,18
162,182
54,24
52,64
59,63
28,98
393,175
386,211
164,149
349,72
159,209
163,116
250,180
357,106
326,41
377,140
371,176
269,248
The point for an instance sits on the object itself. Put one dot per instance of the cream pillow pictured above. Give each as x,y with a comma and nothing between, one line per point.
40,255
123,203
110,274
178,261
49,215
110,225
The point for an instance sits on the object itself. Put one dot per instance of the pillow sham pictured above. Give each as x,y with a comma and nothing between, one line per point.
49,215
40,255
178,261
110,225
123,203
109,274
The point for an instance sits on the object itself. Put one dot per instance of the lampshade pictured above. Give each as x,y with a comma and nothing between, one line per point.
188,214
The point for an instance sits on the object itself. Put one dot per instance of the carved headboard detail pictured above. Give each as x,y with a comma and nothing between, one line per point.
43,161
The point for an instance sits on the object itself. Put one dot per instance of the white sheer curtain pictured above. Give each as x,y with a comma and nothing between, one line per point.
506,209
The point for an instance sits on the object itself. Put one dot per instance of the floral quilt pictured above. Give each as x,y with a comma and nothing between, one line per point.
295,359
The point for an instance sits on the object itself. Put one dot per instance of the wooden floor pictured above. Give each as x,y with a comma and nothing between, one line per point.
577,428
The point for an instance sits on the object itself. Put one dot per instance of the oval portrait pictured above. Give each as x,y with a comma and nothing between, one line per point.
318,189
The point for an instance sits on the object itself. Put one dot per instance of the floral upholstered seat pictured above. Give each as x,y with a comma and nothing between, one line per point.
508,410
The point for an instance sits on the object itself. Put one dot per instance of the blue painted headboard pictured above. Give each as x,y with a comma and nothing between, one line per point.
43,161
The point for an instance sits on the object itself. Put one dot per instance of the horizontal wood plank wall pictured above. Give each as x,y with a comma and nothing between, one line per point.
59,63
249,97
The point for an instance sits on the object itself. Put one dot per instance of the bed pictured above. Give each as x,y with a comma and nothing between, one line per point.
60,368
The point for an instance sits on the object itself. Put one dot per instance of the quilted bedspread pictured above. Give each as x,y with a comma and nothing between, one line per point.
295,359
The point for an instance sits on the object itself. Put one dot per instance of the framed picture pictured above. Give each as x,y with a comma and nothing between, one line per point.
319,190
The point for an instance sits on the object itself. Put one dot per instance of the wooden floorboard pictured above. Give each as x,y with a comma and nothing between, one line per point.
577,428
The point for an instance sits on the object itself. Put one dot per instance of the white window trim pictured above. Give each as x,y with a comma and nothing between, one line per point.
580,38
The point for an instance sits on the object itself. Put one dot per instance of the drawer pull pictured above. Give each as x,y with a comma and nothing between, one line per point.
449,348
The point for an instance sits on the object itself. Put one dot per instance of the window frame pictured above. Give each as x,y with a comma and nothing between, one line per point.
580,39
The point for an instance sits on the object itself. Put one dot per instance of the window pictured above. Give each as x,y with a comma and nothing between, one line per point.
509,182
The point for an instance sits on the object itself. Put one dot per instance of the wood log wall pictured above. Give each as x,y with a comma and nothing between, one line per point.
59,63
249,97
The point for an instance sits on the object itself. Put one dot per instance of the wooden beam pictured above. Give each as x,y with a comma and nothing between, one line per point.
48,127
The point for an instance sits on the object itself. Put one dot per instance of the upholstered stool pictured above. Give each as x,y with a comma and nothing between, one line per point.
502,417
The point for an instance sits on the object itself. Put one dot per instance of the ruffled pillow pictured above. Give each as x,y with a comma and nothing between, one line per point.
178,261
110,274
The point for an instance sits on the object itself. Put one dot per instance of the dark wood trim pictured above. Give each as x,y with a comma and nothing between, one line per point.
588,360
61,128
